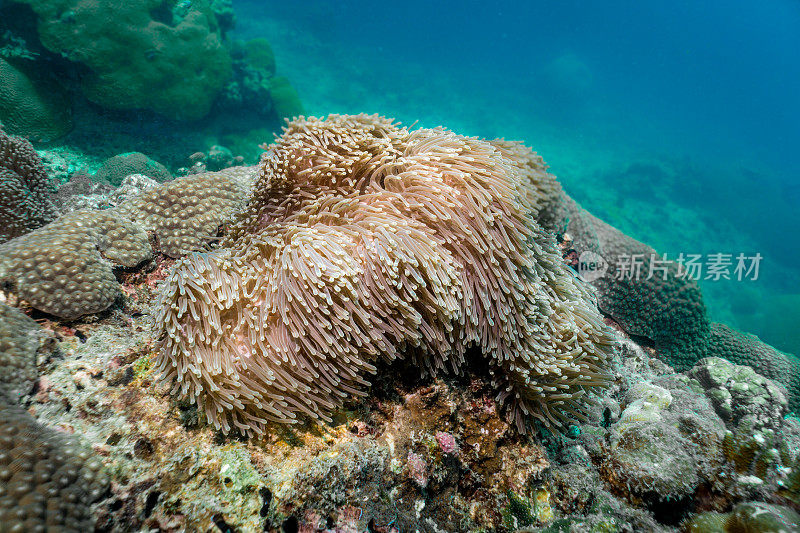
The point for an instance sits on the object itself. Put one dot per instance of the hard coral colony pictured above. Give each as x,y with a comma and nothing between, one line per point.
365,241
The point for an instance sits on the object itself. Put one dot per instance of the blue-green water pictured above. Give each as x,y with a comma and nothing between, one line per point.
677,122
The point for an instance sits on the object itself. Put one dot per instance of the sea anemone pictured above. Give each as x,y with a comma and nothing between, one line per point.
366,241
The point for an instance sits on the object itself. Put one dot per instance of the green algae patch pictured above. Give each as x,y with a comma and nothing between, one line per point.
236,473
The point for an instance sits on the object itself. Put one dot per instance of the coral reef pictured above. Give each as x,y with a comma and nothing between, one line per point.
413,455
82,192
363,241
760,445
48,480
367,248
260,56
285,100
665,307
31,103
116,168
255,87
738,392
137,55
651,297
15,47
187,212
357,472
24,188
217,158
20,340
65,268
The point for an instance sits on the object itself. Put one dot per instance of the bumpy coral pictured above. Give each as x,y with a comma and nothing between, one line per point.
116,168
187,212
650,297
24,203
137,55
65,268
746,349
20,339
663,306
47,481
644,401
367,241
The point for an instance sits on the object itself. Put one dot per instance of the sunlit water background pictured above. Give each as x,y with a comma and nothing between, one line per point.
677,122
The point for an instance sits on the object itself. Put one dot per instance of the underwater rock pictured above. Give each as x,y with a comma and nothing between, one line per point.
738,392
760,444
747,517
82,192
354,249
131,48
667,442
132,186
115,169
32,104
218,158
582,503
24,189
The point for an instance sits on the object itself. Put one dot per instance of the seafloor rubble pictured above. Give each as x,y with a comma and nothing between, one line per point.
708,448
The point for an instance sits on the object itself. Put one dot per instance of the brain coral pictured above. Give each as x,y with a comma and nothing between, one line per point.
24,202
33,104
367,241
137,54
20,339
187,212
65,268
47,481
116,168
